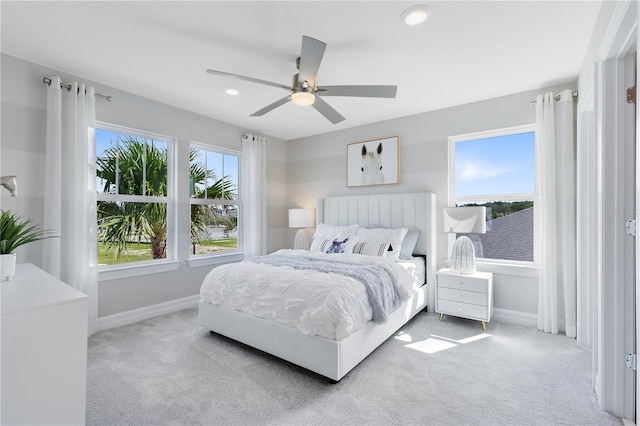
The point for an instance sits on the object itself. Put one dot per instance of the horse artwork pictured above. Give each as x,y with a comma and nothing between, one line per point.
373,162
372,166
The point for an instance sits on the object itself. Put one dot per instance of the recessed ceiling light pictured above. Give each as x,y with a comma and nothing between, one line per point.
231,91
416,14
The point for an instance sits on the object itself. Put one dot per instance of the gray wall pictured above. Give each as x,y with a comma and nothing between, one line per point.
298,171
22,153
317,167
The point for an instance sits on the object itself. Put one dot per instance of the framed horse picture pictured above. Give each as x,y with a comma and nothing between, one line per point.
374,162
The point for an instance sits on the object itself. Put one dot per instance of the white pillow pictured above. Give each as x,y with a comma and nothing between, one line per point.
383,235
331,232
409,244
371,249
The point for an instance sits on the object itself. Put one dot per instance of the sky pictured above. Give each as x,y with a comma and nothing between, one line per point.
102,141
495,165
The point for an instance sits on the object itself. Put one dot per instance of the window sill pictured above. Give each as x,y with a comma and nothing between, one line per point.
117,272
126,271
515,269
219,259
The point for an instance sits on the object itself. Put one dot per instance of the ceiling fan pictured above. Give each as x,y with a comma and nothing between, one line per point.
304,91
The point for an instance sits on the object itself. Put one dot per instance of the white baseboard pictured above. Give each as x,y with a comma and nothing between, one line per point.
515,317
135,315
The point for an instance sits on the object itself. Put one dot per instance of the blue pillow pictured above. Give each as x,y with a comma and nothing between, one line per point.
409,244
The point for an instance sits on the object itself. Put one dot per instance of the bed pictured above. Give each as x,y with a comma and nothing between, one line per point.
330,356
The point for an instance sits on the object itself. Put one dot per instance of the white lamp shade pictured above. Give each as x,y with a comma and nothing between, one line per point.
465,220
302,218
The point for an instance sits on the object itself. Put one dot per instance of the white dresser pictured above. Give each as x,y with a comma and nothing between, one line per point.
44,350
467,296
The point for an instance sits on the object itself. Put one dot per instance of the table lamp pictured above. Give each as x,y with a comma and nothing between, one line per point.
464,220
302,218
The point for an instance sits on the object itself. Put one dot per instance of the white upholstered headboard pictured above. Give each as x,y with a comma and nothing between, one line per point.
410,210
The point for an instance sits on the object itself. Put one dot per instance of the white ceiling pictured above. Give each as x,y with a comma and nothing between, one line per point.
466,52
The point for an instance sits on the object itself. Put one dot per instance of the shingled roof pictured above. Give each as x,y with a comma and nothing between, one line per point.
508,237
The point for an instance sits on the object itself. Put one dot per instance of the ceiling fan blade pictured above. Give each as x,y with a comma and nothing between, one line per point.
310,58
272,106
327,110
360,91
251,79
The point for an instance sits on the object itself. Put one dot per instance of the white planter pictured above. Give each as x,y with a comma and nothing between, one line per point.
7,266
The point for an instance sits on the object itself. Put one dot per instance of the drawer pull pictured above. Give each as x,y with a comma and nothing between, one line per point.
461,296
460,309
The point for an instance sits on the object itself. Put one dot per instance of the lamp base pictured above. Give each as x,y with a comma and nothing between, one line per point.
463,259
302,241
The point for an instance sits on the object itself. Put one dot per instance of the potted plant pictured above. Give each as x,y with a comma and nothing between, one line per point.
14,232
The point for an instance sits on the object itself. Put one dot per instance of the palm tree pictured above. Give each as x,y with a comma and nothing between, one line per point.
203,215
143,171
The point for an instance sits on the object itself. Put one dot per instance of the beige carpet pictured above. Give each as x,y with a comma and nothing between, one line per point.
168,370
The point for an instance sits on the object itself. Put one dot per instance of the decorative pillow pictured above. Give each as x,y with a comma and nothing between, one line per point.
337,245
319,244
331,232
371,249
383,235
329,246
409,244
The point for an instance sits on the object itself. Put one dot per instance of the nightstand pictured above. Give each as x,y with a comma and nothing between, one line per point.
465,295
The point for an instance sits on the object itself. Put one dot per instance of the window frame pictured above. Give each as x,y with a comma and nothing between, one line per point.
171,262
232,255
516,267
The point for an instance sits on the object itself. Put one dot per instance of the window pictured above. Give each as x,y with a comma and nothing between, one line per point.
497,169
214,200
134,195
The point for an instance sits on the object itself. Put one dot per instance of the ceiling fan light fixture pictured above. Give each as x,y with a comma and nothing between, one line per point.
303,89
303,98
416,15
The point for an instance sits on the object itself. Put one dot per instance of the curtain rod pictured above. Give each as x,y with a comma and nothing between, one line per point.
67,86
557,98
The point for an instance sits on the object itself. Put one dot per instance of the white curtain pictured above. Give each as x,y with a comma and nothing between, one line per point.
70,191
557,219
253,194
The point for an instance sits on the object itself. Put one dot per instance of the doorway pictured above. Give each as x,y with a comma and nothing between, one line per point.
614,333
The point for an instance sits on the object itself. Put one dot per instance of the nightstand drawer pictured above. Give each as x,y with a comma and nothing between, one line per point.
462,282
456,295
465,310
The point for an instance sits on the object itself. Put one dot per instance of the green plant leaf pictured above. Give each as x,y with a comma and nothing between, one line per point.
16,231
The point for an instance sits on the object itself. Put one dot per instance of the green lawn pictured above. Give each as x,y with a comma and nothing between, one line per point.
137,252
210,246
222,242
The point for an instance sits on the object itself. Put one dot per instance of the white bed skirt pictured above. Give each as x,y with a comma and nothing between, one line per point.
330,358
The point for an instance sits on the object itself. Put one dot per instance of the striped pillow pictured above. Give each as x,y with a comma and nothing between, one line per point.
319,244
371,249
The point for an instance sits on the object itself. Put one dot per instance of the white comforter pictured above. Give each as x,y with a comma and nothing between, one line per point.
316,303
